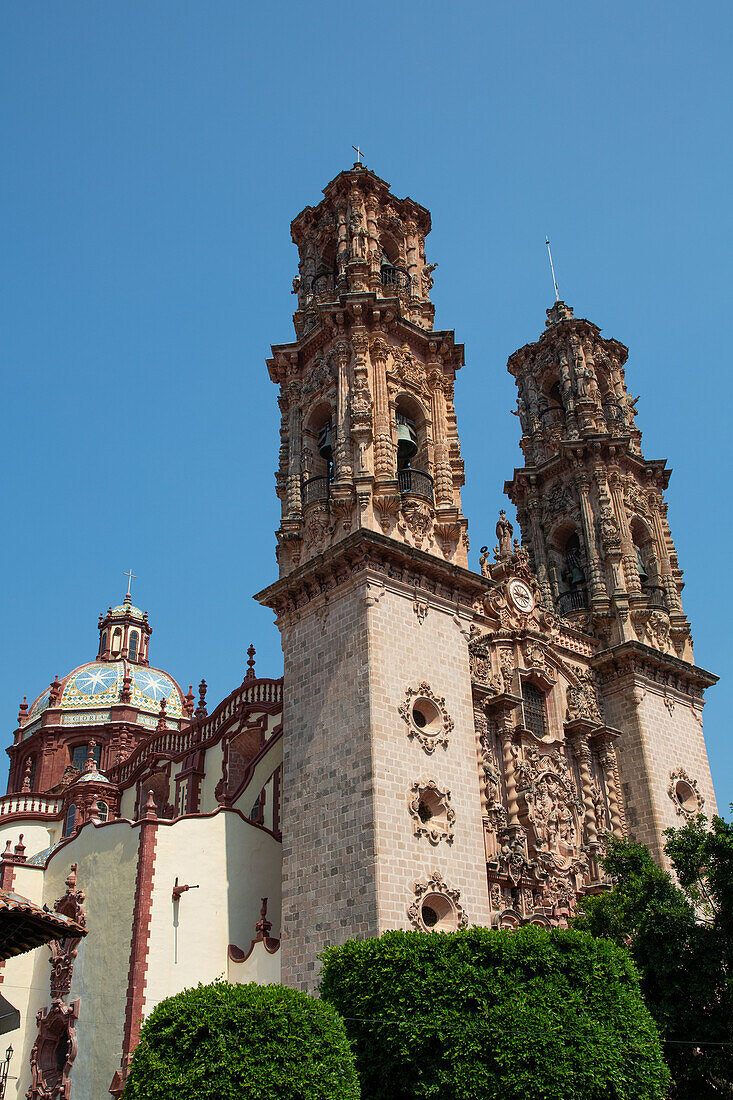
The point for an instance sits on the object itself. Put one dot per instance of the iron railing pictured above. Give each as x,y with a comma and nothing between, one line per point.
416,482
395,276
314,489
574,600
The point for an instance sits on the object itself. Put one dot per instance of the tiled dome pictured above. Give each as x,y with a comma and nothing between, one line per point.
92,688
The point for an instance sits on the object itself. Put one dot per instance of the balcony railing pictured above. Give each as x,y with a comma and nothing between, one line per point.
574,600
552,417
395,276
34,805
314,489
655,595
416,482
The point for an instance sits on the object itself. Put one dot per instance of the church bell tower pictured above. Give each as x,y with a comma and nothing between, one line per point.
593,515
381,816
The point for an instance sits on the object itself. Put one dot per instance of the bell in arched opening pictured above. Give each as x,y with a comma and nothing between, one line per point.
574,576
406,440
641,566
325,442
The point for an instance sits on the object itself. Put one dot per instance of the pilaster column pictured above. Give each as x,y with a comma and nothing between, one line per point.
631,572
665,565
597,587
443,476
581,751
341,452
384,468
534,510
506,735
607,758
293,495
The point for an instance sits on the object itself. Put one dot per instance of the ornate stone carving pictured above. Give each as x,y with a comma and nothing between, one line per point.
582,698
418,520
428,721
435,899
55,1047
684,792
431,810
657,631
317,528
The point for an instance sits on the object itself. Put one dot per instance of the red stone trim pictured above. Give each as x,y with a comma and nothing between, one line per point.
141,918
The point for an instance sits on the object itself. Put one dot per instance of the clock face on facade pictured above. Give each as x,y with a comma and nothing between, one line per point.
521,596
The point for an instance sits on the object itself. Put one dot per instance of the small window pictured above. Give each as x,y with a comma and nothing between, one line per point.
116,641
102,811
132,649
182,798
81,752
103,647
535,709
70,819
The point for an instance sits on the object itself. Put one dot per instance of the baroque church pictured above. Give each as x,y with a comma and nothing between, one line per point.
445,748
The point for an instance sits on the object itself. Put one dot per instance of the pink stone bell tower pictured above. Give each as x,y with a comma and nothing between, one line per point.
374,600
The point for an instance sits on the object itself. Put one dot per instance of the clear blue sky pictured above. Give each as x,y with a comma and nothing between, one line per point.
153,157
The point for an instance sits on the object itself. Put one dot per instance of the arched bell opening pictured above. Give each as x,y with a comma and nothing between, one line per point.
552,414
570,558
413,457
319,443
646,563
393,273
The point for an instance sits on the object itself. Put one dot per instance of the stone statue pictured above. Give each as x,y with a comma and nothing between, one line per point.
504,532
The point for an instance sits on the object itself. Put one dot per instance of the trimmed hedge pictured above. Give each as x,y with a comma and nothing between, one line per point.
482,1015
242,1042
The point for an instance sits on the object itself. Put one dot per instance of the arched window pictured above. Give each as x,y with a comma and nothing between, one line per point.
103,647
70,819
116,640
132,648
573,575
535,709
80,754
102,810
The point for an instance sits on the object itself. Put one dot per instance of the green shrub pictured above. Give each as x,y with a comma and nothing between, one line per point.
242,1042
477,1015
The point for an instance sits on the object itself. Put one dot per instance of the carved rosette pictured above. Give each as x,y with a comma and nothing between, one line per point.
428,722
684,793
431,810
436,907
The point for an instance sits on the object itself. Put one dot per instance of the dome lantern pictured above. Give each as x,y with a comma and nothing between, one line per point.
124,632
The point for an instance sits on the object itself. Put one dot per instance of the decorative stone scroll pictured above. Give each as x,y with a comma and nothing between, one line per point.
428,721
436,907
431,810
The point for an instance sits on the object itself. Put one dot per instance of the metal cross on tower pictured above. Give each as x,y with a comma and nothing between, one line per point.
358,152
130,577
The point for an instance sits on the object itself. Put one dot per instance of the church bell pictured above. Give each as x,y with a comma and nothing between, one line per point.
406,439
325,442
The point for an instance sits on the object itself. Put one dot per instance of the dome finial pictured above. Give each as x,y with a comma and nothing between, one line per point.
90,763
161,716
250,674
201,710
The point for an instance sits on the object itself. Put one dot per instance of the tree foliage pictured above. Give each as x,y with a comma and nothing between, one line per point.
681,937
242,1042
481,1014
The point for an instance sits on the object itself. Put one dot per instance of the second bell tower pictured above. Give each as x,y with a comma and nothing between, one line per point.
381,817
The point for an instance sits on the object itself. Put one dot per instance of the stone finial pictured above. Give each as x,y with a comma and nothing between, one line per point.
161,715
559,312
8,851
54,691
188,702
263,927
201,710
23,712
26,788
19,850
250,675
126,689
90,763
150,808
